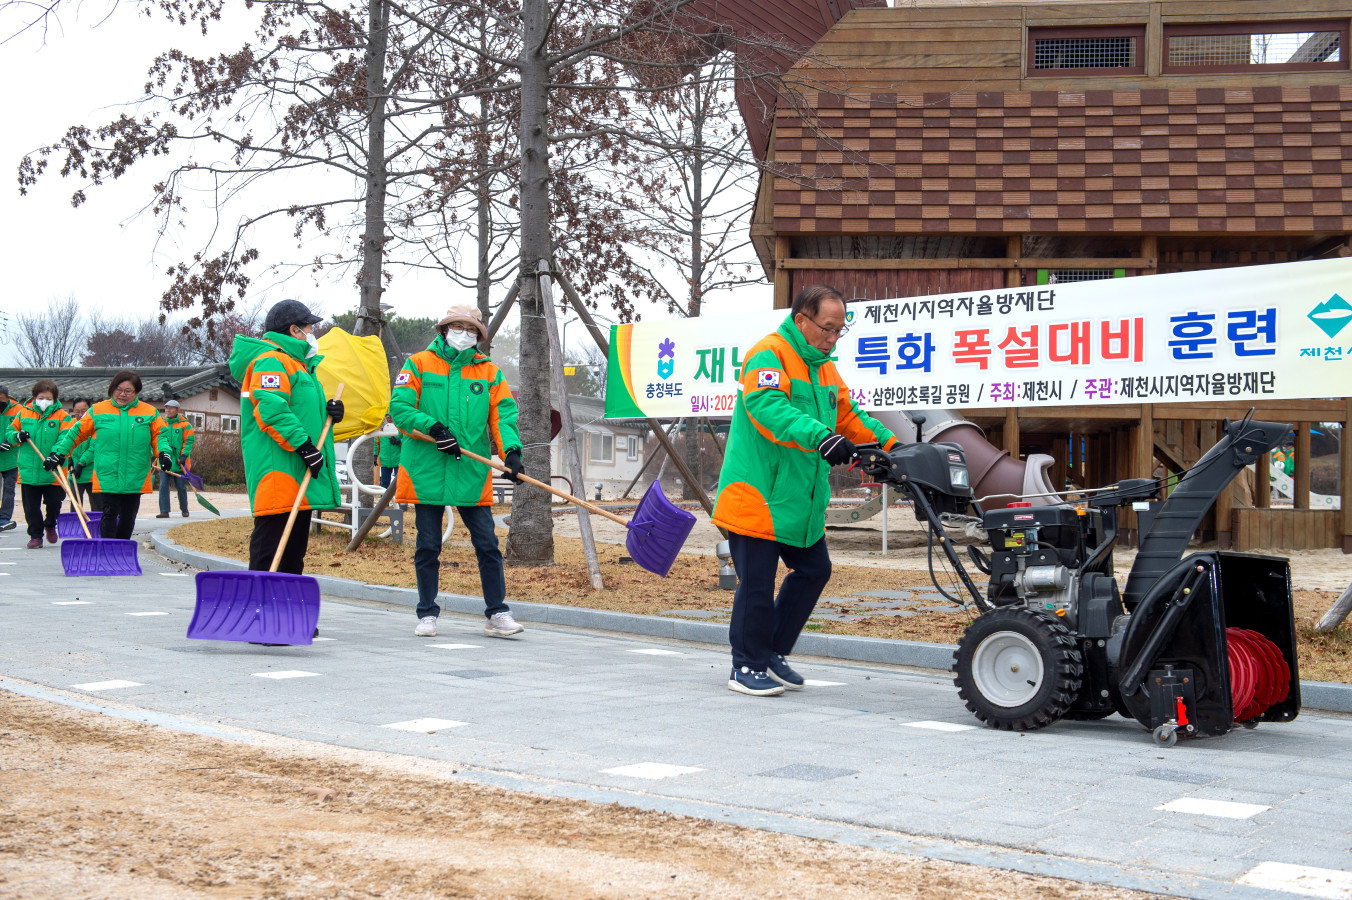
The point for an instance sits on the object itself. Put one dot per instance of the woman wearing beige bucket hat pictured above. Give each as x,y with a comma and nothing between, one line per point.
453,392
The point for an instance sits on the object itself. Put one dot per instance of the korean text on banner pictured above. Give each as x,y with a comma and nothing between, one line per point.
1269,332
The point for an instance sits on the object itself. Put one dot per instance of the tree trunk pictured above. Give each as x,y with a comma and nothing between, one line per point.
373,240
692,430
530,540
483,197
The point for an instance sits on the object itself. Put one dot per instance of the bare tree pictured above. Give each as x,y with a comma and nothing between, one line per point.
51,338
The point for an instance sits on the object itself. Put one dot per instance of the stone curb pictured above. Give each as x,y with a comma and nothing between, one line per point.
1316,695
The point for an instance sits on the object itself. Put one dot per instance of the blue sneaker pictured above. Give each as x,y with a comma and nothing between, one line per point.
757,684
780,671
8,526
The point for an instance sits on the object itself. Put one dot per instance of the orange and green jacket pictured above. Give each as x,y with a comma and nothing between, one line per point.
282,405
43,430
9,458
387,454
464,391
128,440
83,456
774,484
181,440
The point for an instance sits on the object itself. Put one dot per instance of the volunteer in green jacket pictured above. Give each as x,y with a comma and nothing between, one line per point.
82,461
9,464
793,420
39,424
387,457
454,394
131,436
282,410
181,440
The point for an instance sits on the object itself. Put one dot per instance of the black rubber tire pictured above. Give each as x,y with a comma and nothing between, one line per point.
1061,664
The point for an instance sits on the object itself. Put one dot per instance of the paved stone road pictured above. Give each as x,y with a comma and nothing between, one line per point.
864,753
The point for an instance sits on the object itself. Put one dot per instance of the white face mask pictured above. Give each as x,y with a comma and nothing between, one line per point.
461,340
314,345
42,404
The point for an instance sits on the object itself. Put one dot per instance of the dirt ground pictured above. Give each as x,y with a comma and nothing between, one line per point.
98,807
857,565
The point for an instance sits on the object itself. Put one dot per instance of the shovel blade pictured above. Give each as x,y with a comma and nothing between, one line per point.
100,556
256,607
68,525
657,532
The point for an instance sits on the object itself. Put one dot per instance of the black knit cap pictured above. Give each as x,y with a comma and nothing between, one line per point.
287,313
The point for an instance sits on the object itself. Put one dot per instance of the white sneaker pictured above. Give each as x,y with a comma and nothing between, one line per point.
502,625
427,627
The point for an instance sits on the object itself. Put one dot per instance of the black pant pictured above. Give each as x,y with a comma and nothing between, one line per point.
85,491
267,534
95,498
761,624
34,495
119,515
427,558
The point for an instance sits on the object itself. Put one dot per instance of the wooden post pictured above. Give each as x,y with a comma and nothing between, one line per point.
1011,433
1302,498
783,287
1150,251
1345,474
1262,486
1013,249
1143,454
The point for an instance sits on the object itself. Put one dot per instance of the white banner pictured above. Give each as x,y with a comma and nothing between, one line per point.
1250,333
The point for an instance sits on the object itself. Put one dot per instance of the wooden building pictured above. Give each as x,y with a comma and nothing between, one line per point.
974,145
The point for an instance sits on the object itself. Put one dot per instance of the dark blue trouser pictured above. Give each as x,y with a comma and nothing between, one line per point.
761,624
429,521
386,473
165,487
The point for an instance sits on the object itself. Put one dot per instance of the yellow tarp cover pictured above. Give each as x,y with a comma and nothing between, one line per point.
359,363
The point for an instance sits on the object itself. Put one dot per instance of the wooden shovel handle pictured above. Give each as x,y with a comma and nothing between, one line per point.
60,479
304,483
540,484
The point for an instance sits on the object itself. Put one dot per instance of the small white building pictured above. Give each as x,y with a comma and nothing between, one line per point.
611,451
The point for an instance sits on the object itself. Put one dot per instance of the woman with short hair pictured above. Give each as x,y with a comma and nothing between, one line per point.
131,437
41,423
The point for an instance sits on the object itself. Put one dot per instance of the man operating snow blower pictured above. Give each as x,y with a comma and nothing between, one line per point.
793,420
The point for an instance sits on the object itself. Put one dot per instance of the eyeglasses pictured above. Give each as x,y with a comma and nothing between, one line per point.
460,326
830,332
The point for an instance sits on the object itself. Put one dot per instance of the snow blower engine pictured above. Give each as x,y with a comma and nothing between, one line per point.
1191,646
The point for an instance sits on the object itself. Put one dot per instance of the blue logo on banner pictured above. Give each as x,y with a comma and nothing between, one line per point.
1332,315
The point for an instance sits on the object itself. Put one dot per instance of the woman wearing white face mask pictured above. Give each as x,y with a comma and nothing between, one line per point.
40,424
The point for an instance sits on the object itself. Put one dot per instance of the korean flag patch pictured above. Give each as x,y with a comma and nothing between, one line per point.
270,381
767,378
401,378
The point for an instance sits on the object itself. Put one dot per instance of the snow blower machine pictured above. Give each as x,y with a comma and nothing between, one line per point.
1191,646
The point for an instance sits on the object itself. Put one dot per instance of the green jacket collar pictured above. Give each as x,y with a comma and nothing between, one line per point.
124,406
294,348
806,352
450,354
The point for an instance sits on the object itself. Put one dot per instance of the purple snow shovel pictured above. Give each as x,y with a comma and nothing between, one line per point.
261,607
656,533
68,525
93,556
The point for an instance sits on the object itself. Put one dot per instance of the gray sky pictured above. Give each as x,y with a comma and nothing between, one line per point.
107,253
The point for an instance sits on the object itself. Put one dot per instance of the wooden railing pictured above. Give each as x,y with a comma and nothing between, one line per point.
1285,529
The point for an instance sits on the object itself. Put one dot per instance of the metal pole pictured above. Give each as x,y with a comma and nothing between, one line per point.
566,413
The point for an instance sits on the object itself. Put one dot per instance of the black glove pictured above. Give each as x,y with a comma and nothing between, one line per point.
335,410
77,470
166,461
312,457
446,441
22,437
513,461
53,462
5,447
836,449
396,441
